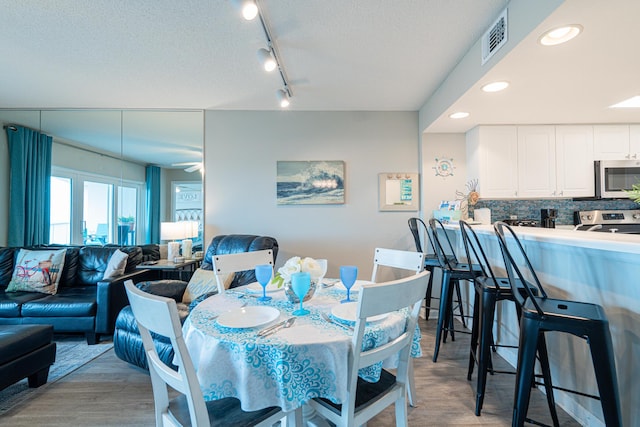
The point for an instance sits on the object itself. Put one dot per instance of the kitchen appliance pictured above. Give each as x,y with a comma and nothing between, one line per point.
522,222
615,176
548,218
610,221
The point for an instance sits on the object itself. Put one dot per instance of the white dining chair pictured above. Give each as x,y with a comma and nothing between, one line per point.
226,264
160,315
412,262
364,399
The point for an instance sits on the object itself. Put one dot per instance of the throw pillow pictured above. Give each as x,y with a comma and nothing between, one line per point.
117,264
202,282
37,271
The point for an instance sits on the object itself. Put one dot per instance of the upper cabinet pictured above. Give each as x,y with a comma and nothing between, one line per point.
615,142
492,158
536,161
574,161
531,161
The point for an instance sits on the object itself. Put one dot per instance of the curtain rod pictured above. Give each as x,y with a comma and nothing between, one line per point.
10,127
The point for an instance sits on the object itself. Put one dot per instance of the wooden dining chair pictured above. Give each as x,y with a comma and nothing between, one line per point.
409,261
223,265
364,399
159,315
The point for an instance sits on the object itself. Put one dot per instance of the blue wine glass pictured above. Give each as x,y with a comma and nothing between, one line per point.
300,284
348,276
263,276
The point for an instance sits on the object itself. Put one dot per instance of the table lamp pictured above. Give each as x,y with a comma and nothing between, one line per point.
190,230
172,231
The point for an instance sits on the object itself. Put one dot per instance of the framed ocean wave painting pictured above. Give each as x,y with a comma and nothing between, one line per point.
310,182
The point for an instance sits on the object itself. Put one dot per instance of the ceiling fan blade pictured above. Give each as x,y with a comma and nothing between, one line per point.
194,168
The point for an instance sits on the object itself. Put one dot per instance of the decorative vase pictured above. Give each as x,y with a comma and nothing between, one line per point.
293,298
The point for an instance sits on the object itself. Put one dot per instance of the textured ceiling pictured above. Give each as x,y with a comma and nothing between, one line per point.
338,54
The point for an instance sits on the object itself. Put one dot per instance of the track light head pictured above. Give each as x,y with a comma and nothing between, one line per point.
267,60
249,9
283,98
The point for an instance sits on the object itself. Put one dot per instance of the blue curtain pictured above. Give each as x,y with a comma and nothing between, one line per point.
153,204
29,186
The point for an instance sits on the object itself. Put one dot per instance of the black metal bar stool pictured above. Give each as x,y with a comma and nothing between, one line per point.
452,272
489,291
541,314
417,227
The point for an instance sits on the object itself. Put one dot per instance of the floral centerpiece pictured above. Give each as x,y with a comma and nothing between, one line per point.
296,265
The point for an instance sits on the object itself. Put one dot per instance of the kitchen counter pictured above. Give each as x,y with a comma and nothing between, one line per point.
629,243
595,267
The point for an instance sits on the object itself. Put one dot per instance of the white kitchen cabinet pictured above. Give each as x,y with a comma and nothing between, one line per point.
512,162
612,142
574,161
634,141
536,161
492,158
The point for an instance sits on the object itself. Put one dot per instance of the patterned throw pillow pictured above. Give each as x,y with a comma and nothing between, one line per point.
202,282
37,271
117,265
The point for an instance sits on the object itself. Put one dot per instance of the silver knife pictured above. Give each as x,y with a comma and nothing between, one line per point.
268,329
287,323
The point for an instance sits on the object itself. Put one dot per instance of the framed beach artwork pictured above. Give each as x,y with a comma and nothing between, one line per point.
310,182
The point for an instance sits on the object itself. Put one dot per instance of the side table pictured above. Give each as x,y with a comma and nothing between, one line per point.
169,269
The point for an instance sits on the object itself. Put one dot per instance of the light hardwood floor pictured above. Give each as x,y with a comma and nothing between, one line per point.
110,392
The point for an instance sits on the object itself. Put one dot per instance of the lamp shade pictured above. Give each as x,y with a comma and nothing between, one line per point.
172,231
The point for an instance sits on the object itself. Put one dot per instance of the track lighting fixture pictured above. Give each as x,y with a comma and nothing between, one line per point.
249,9
267,60
283,98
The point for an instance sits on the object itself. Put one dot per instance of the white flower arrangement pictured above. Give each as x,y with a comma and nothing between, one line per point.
296,265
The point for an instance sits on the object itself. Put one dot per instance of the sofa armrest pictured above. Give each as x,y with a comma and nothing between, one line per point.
111,298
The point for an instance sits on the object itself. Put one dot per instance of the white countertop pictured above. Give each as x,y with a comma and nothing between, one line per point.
629,243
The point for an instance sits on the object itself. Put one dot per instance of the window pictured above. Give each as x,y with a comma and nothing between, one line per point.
60,216
94,210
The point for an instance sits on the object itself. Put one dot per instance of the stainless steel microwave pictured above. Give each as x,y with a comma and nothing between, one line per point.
615,176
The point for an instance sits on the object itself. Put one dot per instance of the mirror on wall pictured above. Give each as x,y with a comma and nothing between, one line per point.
99,161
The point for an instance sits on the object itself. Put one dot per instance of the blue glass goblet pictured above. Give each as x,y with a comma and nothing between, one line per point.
300,284
263,276
348,276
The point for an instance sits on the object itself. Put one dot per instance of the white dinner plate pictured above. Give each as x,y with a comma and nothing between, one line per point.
248,317
347,311
356,286
256,288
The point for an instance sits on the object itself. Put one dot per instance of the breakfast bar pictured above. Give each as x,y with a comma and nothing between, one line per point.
600,268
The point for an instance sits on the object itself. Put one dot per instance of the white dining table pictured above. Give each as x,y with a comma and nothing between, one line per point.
289,367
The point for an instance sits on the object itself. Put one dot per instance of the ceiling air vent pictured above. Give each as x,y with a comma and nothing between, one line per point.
495,37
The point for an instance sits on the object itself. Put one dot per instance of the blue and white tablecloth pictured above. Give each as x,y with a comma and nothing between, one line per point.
285,369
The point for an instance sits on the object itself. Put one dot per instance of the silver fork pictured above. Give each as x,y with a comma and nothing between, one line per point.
328,319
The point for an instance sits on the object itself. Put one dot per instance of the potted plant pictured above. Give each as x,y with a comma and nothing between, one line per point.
634,193
127,220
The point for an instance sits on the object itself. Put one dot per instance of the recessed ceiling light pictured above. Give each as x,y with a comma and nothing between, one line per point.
633,102
560,35
495,86
459,115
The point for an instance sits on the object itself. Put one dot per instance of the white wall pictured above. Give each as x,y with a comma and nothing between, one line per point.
437,188
240,180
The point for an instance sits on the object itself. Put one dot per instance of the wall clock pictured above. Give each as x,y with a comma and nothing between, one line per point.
444,167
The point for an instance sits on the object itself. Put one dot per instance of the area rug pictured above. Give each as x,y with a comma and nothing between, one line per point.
71,353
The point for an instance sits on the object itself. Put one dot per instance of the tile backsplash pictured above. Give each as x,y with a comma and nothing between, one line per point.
530,208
